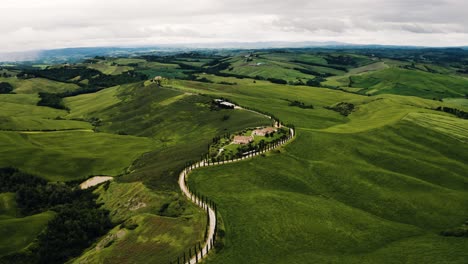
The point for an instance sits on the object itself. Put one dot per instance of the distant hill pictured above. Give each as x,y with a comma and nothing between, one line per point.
79,53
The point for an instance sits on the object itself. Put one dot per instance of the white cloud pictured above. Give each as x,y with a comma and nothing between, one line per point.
33,24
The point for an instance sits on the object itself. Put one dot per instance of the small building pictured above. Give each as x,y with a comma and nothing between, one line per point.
264,131
224,104
227,105
242,140
158,80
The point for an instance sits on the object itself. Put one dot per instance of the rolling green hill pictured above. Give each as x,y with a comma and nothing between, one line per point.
36,85
75,154
181,125
398,192
375,174
17,233
109,68
410,82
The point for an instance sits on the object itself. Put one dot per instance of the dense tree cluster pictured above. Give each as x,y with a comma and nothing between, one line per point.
51,100
316,82
5,88
278,81
342,108
300,105
77,224
341,60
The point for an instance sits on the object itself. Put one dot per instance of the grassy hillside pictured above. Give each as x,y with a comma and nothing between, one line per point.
295,66
398,192
86,104
410,82
182,124
153,239
265,68
152,222
7,205
307,204
109,68
368,179
19,112
75,154
36,85
17,233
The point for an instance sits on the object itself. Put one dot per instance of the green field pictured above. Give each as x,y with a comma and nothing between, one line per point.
458,102
266,68
86,104
108,68
17,233
71,155
36,85
18,112
410,82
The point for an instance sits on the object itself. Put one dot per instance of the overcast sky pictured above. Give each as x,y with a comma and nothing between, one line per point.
48,24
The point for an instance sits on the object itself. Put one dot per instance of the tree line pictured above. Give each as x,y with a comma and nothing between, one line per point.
456,112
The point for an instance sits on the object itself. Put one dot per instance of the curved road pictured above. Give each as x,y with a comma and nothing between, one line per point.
208,244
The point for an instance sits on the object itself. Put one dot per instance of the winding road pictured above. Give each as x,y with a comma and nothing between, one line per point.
209,242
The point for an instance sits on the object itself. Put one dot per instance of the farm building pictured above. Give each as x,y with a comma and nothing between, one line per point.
158,80
224,104
242,140
227,105
264,131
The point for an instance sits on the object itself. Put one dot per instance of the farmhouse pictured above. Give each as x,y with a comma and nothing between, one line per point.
158,80
264,131
242,140
227,105
224,104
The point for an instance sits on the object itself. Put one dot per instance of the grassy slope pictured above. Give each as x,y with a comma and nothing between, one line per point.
182,125
167,70
35,124
7,205
35,85
411,82
18,233
84,105
157,239
398,190
107,68
268,69
458,102
62,156
19,112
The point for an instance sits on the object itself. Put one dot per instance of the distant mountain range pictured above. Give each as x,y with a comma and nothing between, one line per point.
76,54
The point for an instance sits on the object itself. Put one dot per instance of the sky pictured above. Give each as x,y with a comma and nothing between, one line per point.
49,24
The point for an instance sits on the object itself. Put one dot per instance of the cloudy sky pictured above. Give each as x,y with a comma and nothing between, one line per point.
47,24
